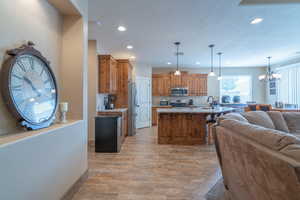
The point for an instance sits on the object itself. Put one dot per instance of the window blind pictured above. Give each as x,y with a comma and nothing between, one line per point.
289,85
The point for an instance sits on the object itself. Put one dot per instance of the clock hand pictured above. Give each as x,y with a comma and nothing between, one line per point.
33,88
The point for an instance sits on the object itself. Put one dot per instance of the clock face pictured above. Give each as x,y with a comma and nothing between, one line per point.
32,89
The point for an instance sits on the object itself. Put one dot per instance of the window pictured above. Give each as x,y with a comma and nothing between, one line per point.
289,85
236,86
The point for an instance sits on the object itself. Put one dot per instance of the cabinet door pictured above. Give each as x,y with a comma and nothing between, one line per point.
154,117
175,81
164,89
113,76
155,85
200,84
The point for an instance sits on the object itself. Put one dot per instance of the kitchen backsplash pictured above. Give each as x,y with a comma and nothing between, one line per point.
197,100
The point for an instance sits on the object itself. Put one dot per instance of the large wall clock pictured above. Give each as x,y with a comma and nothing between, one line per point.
29,88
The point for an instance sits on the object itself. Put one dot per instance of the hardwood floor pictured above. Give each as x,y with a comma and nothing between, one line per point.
145,170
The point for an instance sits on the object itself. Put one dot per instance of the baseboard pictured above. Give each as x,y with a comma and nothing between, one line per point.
91,143
75,187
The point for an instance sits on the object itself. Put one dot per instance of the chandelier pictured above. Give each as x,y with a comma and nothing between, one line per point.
270,75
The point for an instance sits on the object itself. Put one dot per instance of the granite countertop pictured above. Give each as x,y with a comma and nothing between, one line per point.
114,110
197,110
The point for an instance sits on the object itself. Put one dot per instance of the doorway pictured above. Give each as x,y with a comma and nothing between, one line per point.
144,101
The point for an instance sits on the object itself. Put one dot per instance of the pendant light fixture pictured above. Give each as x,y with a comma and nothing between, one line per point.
270,75
220,66
212,73
177,72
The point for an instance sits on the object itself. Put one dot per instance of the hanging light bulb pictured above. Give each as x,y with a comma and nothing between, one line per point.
270,75
220,67
212,73
177,72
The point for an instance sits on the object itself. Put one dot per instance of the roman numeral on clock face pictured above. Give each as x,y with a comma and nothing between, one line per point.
17,88
31,63
21,65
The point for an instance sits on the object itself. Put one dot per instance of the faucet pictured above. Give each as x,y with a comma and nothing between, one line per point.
210,100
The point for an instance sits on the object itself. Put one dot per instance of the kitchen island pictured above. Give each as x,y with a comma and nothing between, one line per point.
186,126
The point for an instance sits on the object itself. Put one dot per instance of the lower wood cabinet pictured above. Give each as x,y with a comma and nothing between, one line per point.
124,115
181,128
154,114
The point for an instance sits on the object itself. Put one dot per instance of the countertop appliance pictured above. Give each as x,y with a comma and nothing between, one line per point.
108,134
191,102
179,92
109,102
178,103
163,102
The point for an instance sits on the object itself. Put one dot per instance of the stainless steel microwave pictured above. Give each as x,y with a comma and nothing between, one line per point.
179,92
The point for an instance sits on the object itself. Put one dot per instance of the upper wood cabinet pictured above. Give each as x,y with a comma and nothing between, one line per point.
107,74
196,83
124,76
161,85
177,81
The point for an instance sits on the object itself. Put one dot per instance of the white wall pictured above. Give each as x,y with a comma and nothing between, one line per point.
37,21
258,88
271,99
45,166
93,87
142,70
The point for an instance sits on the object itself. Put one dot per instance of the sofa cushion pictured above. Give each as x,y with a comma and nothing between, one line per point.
234,116
278,121
292,151
269,137
293,121
259,118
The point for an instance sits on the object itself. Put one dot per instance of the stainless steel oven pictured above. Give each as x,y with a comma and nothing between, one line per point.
179,92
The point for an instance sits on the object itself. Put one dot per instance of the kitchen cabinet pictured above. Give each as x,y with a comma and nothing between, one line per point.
178,81
122,113
124,76
160,85
107,74
154,113
196,83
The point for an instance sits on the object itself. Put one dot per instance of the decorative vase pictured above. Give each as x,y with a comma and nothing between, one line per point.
63,107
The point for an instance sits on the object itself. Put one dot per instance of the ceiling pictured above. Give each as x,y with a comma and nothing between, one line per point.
254,2
153,26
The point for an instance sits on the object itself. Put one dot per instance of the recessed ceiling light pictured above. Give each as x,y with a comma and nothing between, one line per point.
129,47
169,63
122,28
257,20
197,63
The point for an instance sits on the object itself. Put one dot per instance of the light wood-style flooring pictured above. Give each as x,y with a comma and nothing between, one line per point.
144,170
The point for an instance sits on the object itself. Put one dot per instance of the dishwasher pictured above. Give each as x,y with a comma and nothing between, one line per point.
108,134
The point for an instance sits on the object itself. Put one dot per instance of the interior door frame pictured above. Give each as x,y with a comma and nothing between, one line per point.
150,98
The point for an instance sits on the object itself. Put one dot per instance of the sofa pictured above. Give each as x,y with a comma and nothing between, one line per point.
259,154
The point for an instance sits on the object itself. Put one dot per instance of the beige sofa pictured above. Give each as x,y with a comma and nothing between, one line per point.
259,153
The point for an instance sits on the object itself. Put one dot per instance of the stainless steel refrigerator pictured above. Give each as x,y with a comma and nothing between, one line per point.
132,104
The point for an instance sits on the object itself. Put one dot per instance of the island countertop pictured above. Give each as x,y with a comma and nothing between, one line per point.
216,110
